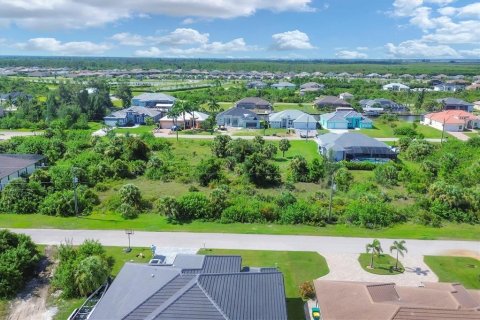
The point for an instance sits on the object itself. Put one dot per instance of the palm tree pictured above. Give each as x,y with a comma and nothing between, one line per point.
194,107
174,113
400,248
376,248
213,105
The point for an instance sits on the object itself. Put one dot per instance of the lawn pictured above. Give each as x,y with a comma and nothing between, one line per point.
261,132
305,107
136,130
154,222
384,264
384,130
3,308
297,267
456,269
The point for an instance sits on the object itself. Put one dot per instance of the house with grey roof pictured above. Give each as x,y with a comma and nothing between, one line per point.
448,87
256,85
256,104
455,104
283,85
194,287
353,147
292,119
331,103
160,101
311,87
345,118
132,116
381,105
396,87
238,118
14,166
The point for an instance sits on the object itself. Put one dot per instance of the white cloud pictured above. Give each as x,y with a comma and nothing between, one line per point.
362,48
346,54
462,32
475,53
205,49
183,36
291,40
417,48
88,13
64,48
128,39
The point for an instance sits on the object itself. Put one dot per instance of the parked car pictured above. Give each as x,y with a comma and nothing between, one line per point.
176,128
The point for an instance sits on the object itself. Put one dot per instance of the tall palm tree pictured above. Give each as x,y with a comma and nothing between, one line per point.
174,113
194,107
400,248
213,105
375,248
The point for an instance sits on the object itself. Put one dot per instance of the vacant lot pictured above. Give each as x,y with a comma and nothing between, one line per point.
456,269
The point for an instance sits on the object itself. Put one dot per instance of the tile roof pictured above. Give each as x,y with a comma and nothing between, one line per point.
386,301
11,163
452,116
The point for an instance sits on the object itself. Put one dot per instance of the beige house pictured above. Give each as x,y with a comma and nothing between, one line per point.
452,120
191,120
346,300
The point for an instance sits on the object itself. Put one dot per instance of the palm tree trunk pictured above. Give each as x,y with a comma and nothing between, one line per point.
371,261
396,263
184,124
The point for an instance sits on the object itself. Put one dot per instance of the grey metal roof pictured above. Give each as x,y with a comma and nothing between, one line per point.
454,101
219,290
238,112
331,101
11,163
189,261
291,114
120,114
343,115
353,143
304,118
253,103
247,295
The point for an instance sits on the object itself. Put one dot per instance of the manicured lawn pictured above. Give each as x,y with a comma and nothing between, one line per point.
261,132
471,134
383,264
305,107
456,269
154,222
297,267
136,130
384,130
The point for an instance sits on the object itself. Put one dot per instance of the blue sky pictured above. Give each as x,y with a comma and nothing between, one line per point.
297,29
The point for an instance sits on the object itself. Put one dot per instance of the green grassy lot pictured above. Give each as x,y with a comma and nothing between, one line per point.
456,269
471,134
297,267
261,132
383,264
384,130
135,130
3,309
153,222
305,107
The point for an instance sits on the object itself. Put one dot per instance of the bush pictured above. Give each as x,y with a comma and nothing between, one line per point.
386,174
302,212
62,203
418,150
307,290
405,131
193,205
127,211
299,169
208,170
219,145
343,179
358,165
130,194
18,259
243,210
21,197
370,211
261,172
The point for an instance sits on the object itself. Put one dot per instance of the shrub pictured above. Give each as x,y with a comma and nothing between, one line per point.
301,212
127,211
243,210
358,165
299,169
370,211
208,170
130,194
193,205
21,197
418,150
405,131
343,179
386,174
219,145
307,290
261,172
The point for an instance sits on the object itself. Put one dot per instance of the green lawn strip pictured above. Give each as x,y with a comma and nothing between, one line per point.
136,130
305,107
384,130
297,267
4,306
383,264
456,269
154,222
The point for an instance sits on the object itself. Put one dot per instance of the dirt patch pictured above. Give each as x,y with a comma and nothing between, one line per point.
463,253
31,303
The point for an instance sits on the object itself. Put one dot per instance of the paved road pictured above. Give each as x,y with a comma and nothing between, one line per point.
460,136
5,135
337,245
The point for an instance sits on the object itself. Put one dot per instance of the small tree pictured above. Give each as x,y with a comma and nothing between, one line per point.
284,145
375,248
307,290
130,194
219,146
398,246
343,179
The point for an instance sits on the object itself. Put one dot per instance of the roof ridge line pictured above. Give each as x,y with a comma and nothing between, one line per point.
177,295
210,298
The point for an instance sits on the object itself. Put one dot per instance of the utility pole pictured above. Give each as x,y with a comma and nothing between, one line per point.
443,131
75,183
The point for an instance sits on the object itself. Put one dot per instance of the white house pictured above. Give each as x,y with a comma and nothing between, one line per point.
168,122
292,119
396,87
